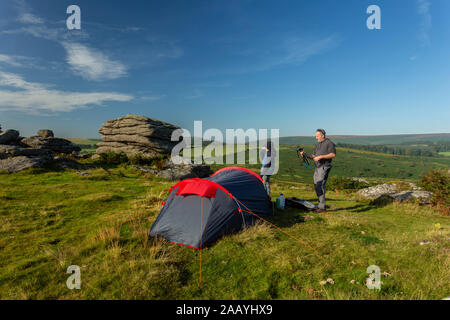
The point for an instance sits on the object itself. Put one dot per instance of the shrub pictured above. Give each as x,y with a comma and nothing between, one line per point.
341,183
139,159
438,182
160,162
401,185
113,158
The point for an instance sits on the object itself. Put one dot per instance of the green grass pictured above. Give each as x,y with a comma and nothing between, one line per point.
51,220
447,154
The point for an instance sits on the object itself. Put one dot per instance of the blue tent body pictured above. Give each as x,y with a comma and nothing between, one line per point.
200,211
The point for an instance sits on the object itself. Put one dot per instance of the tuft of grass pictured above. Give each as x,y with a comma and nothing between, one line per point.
101,197
109,235
5,196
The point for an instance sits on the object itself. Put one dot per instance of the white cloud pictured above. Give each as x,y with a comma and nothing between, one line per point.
16,81
291,51
89,63
36,30
153,98
84,60
423,8
37,98
92,64
20,61
30,18
11,60
298,50
164,48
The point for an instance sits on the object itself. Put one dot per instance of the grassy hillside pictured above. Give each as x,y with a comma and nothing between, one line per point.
368,140
51,220
87,145
356,163
84,141
310,140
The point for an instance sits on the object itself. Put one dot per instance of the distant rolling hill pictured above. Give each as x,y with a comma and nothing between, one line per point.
370,140
84,141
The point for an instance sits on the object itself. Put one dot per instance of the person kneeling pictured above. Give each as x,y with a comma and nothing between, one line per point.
268,155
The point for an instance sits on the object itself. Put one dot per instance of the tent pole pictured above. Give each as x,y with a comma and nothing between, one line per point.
201,242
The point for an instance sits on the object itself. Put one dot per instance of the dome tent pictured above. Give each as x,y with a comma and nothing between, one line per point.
198,212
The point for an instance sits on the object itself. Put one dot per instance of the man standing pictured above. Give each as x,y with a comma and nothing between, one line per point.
324,152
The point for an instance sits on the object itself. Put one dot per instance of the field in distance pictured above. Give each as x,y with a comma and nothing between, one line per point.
371,140
356,163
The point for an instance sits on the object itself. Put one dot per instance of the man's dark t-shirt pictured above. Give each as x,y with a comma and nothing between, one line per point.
322,148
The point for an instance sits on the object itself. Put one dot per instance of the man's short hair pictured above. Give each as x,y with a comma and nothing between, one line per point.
321,131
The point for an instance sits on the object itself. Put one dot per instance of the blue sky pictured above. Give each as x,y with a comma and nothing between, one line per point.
293,65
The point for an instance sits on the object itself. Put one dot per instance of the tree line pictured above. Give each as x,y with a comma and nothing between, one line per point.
432,149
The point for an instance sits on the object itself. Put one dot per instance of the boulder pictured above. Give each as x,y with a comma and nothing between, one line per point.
65,163
130,150
414,195
374,192
179,172
18,153
57,145
45,133
388,192
9,136
362,180
7,151
16,164
133,134
155,144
